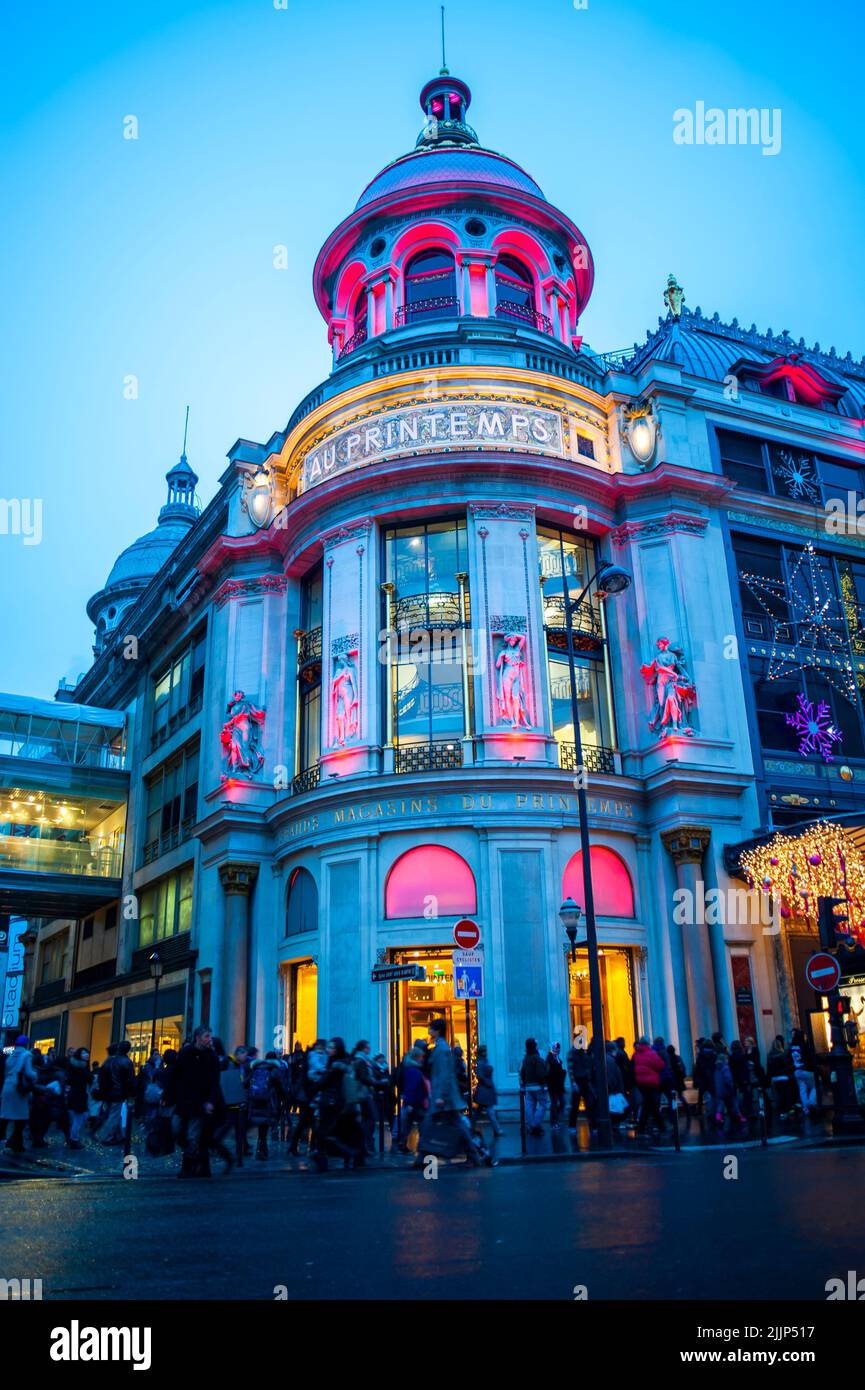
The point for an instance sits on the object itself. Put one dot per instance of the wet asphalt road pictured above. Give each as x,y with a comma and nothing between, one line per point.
669,1228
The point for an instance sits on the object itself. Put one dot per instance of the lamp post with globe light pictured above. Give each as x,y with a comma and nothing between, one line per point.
610,579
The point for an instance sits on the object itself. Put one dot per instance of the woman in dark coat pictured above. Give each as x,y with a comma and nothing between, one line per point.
77,1093
556,1078
339,1127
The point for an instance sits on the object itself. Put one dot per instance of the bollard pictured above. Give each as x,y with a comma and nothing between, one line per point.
674,1110
127,1133
523,1145
761,1110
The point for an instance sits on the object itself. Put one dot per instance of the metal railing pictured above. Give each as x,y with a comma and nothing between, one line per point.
595,758
170,840
309,647
420,612
507,309
306,781
174,722
438,307
355,341
585,617
443,756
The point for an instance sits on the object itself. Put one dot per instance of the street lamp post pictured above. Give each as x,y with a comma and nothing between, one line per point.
611,579
156,969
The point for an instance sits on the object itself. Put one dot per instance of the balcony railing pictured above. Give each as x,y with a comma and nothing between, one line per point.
507,309
421,612
442,306
595,758
170,840
31,855
306,781
309,647
355,341
585,620
443,756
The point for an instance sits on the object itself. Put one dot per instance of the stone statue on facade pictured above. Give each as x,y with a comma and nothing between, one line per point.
344,700
510,679
674,296
241,735
673,690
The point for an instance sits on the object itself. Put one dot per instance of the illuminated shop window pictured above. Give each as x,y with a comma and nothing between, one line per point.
611,882
299,991
428,611
617,993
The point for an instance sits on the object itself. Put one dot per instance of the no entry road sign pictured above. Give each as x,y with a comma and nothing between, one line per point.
467,934
823,972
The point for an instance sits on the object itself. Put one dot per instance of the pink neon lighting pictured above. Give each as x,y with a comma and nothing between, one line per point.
614,891
427,873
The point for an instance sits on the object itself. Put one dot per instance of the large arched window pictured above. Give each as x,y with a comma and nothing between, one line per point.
430,881
302,905
515,291
359,324
611,882
430,285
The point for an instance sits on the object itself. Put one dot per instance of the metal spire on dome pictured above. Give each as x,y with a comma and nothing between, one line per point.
182,482
444,67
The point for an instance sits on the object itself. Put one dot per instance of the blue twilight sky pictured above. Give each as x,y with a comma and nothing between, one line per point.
259,125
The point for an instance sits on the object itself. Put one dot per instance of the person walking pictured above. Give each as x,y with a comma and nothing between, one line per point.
19,1079
802,1057
195,1087
339,1128
77,1093
533,1079
446,1103
648,1069
556,1080
779,1078
361,1061
415,1092
486,1096
680,1076
117,1087
48,1102
582,1088
724,1090
704,1075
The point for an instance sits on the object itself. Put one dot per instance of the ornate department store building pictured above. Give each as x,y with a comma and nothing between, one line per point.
345,688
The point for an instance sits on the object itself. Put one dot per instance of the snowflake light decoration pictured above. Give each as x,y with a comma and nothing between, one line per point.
816,732
798,475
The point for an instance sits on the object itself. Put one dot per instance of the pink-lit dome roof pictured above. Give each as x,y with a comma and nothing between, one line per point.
465,165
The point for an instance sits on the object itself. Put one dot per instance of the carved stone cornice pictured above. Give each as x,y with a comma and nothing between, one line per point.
687,843
357,531
251,587
237,877
486,511
688,523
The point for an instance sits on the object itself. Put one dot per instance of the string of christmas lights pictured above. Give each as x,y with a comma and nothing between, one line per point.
820,861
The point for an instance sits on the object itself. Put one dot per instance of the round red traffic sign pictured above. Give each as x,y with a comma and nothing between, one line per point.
823,972
467,934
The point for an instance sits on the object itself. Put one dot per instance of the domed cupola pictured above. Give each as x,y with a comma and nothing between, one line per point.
135,566
447,234
444,101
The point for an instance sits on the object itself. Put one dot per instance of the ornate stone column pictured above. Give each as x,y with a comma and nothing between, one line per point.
237,880
686,845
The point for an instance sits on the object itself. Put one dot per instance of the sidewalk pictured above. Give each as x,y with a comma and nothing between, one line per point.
696,1134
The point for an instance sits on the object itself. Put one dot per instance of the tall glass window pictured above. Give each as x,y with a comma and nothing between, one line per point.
565,558
426,609
166,908
309,672
430,287
178,690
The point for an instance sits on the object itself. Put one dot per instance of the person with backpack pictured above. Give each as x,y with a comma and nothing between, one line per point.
263,1099
556,1078
48,1101
116,1088
582,1081
339,1128
19,1079
533,1080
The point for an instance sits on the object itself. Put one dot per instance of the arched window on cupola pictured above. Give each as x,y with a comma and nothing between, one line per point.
359,325
515,291
430,285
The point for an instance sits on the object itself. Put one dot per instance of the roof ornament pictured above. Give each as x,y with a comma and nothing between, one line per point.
674,296
444,67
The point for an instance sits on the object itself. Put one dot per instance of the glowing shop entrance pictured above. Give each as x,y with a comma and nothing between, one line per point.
415,1003
617,993
299,987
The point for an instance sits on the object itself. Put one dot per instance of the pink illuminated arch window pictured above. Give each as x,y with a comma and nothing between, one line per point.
427,874
614,891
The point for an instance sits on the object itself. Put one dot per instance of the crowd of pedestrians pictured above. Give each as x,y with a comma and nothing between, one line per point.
327,1102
